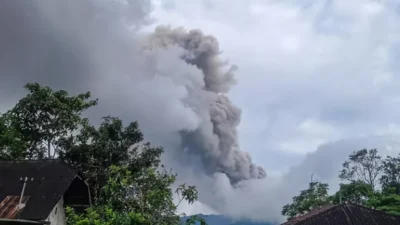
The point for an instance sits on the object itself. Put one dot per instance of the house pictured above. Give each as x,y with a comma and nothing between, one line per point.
345,214
36,192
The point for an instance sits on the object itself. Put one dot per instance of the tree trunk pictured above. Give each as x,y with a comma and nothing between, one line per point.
48,148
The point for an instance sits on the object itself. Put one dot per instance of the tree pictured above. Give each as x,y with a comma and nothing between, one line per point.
104,215
363,170
124,174
93,150
356,192
315,196
387,201
42,118
391,174
136,199
12,143
364,165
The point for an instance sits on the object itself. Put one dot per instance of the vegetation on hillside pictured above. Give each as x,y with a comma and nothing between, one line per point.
128,183
368,180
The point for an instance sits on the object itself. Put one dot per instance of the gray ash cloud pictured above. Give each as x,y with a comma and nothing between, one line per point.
173,81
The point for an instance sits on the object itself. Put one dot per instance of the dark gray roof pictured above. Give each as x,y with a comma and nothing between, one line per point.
346,214
51,179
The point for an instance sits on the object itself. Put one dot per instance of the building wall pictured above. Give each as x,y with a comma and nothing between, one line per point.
57,215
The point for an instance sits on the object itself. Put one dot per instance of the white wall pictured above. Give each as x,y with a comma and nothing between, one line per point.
57,215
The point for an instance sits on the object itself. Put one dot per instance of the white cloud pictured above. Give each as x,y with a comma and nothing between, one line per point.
390,129
310,134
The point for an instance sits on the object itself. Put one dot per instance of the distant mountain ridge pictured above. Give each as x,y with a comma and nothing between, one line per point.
224,220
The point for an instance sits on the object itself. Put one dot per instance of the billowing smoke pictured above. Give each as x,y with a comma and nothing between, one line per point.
176,75
215,140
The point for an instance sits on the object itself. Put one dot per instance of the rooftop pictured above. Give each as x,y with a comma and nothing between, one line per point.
346,214
47,182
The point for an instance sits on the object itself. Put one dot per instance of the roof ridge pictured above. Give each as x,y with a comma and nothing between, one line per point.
69,166
372,209
30,160
329,209
52,161
323,209
52,177
304,219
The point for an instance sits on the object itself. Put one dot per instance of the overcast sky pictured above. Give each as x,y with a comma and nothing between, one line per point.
310,72
317,79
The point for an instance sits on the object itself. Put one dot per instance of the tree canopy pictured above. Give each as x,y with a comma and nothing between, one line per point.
315,196
369,181
363,165
128,182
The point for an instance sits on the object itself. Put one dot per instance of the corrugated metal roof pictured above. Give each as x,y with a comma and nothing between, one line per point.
51,179
9,206
310,214
345,214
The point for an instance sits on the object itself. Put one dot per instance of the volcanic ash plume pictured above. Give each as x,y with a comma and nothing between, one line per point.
215,141
177,88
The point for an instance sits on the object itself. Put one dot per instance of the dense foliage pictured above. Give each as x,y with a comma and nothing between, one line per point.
370,181
128,183
315,196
